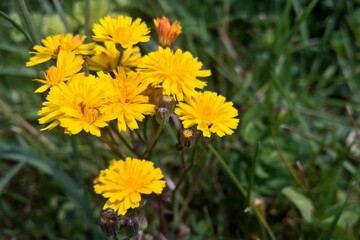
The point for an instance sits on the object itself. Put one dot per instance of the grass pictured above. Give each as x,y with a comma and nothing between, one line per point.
290,67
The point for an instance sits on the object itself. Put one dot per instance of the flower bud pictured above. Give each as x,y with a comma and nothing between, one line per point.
85,66
122,222
187,138
108,222
167,33
162,116
167,102
132,227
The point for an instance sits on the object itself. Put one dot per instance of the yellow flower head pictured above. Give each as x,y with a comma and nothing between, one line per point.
121,30
52,45
67,65
79,104
124,182
209,112
167,33
126,101
175,72
107,58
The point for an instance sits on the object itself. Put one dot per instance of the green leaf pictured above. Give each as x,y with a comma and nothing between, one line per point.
67,182
303,203
6,179
252,127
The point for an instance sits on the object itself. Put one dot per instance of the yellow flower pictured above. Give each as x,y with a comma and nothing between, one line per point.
52,45
126,101
124,182
107,58
209,112
67,65
121,30
79,104
167,33
175,72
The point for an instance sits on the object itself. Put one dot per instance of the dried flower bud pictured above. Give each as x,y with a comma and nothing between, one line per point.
167,33
95,181
167,102
132,227
108,222
85,65
162,116
187,138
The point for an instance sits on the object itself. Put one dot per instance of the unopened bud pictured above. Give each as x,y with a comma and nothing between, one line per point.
85,66
108,222
167,102
95,181
167,32
187,138
132,227
162,116
122,222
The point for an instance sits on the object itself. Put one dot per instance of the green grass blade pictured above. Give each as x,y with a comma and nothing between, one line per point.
87,19
62,15
17,26
66,181
27,21
302,18
329,232
241,189
9,175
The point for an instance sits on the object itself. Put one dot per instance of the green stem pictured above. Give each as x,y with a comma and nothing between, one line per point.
249,189
121,50
145,129
183,176
190,192
153,141
114,128
242,190
75,155
61,13
139,136
26,20
192,161
252,174
114,142
87,18
286,162
17,26
30,133
111,146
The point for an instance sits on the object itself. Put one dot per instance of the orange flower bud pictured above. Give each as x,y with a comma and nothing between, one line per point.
167,33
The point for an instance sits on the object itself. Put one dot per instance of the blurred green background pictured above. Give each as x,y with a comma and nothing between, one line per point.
290,67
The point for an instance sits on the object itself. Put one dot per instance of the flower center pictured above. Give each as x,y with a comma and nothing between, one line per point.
132,183
90,114
207,113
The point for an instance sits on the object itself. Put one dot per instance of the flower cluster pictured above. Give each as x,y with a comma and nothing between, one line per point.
125,85
109,82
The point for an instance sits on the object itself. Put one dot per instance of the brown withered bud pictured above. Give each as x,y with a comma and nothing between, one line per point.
131,227
167,102
162,116
187,138
108,222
